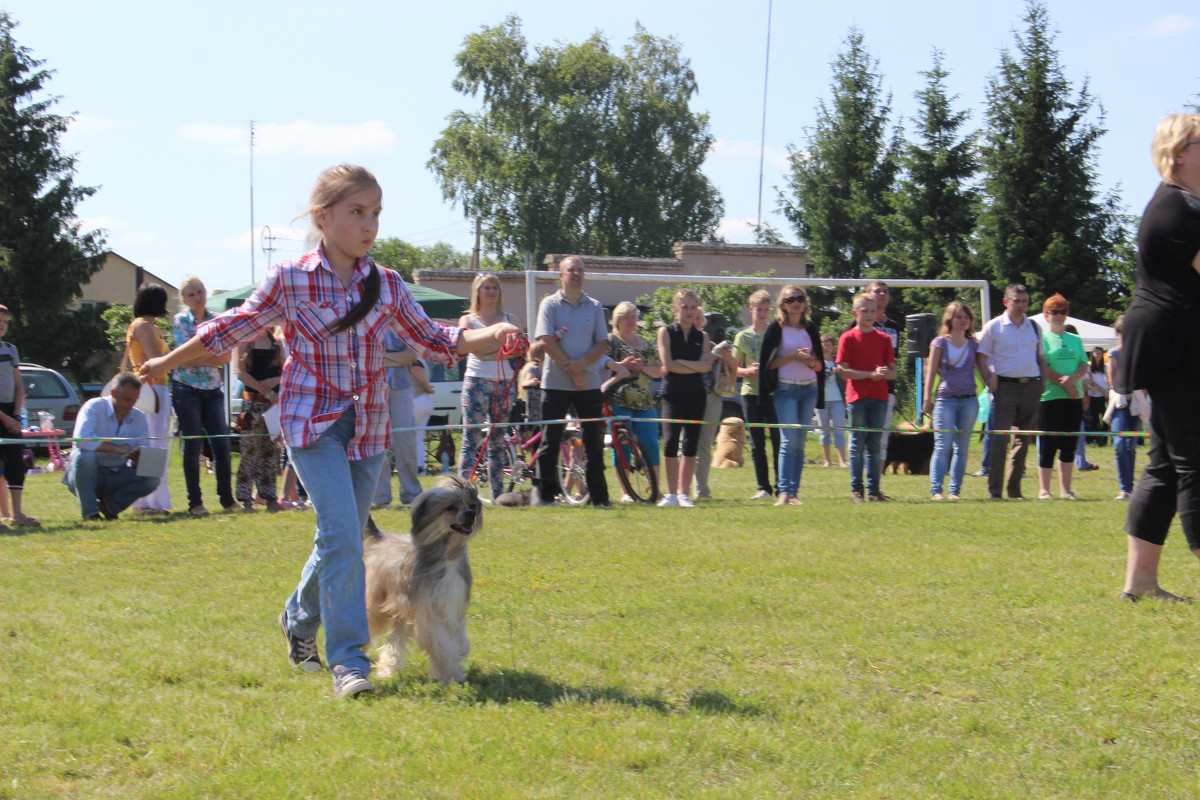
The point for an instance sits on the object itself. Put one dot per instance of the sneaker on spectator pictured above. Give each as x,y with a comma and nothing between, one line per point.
301,652
669,500
349,684
1122,496
685,502
761,494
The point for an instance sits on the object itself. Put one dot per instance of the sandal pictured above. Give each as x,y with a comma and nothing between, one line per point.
1045,496
24,521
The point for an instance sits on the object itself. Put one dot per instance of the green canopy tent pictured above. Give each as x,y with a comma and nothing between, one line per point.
439,305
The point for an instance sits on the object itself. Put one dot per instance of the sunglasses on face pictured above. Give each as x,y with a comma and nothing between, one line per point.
796,298
1057,311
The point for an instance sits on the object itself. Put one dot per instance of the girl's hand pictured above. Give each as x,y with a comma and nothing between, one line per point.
928,407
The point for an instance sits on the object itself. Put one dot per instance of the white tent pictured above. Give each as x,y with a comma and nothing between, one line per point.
1093,335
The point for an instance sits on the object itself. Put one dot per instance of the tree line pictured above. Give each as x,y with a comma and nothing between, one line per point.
587,148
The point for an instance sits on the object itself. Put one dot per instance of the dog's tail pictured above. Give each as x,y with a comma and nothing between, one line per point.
371,530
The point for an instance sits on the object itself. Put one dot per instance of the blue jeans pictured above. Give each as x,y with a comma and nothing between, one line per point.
794,405
833,415
866,412
118,487
643,428
1125,447
203,412
954,421
332,588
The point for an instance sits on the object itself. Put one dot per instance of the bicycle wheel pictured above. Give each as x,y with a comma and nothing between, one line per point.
572,474
634,470
517,474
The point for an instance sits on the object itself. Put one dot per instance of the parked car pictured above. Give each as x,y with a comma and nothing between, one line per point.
447,391
47,390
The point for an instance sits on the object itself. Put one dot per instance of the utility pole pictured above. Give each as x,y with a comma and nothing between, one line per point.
475,260
762,142
253,279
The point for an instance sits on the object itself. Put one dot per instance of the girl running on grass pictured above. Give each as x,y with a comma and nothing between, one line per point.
334,304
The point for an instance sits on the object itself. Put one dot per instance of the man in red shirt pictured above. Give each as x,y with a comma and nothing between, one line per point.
867,361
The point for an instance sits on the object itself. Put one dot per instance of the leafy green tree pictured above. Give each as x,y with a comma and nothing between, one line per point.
727,299
407,258
48,256
1044,222
578,149
932,216
840,180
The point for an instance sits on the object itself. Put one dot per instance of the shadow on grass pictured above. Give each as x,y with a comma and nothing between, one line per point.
522,686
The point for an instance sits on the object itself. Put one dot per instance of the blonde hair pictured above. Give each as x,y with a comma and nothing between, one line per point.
477,284
680,295
760,296
863,297
780,315
188,282
948,318
1170,137
623,308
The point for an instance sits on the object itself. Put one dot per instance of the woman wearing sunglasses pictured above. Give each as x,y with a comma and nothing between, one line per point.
1062,400
793,375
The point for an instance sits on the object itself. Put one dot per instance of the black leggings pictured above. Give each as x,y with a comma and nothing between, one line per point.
12,456
1064,414
683,406
1171,481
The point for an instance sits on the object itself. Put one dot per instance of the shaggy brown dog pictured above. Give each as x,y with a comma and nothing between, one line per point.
910,448
731,444
419,584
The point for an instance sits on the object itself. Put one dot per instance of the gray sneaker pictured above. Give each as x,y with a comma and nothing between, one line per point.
349,684
301,652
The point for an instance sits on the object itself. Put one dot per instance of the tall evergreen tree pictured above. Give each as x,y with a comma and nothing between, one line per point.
48,257
840,179
1043,221
579,149
932,212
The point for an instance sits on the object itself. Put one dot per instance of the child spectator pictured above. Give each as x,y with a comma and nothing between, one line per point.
12,399
866,360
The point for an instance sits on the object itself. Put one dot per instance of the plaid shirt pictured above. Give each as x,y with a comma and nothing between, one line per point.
326,372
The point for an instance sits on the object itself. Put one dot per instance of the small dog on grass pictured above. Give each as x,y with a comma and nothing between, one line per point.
419,584
731,444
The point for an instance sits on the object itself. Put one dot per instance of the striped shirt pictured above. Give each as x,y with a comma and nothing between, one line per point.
326,372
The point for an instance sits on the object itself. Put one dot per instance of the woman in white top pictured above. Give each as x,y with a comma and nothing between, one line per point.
489,390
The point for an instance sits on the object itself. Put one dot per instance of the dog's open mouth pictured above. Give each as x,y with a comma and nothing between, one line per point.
465,530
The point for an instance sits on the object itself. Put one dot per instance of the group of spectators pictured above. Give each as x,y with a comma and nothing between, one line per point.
791,378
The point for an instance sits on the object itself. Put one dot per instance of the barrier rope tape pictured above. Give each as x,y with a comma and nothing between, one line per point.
847,428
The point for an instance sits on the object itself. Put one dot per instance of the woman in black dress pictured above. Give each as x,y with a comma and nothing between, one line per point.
1162,356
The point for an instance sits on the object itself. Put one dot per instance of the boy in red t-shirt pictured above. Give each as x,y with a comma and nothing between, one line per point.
865,359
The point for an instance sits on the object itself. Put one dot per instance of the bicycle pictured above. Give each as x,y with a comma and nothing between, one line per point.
521,453
631,459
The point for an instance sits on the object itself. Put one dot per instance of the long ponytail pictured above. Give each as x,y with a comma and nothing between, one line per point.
369,298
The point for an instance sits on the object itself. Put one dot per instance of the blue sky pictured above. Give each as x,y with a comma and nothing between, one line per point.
164,93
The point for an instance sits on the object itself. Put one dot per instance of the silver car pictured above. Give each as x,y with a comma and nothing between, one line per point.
47,390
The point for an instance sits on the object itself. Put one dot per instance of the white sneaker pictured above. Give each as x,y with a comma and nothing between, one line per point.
686,502
670,500
1122,496
761,494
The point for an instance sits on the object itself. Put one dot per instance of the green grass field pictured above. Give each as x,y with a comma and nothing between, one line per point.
903,650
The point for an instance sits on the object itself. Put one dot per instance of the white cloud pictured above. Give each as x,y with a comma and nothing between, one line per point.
1170,25
286,241
86,123
775,156
297,138
737,230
